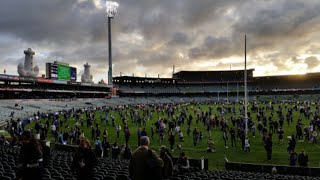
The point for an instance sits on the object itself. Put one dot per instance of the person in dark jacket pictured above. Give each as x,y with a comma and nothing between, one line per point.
84,160
183,163
225,138
106,149
293,158
126,153
167,170
98,149
171,140
31,157
303,159
291,144
268,147
46,152
115,151
233,137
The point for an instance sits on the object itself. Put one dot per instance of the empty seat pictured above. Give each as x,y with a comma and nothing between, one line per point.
110,178
5,178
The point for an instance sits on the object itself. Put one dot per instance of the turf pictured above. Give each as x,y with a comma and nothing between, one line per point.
5,134
216,160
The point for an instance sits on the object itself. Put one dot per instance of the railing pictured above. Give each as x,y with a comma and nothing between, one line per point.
278,169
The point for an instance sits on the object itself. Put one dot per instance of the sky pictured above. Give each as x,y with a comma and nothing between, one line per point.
150,36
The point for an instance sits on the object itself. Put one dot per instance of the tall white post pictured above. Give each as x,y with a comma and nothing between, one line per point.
245,86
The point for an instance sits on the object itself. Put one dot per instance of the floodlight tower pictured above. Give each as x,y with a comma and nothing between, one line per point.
111,9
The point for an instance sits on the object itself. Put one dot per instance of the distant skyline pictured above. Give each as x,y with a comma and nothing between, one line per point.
150,36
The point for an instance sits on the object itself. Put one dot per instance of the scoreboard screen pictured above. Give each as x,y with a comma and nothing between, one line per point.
61,72
64,72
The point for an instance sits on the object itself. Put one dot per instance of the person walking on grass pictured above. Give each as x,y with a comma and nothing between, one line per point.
233,137
225,138
171,139
268,147
105,135
247,145
195,136
118,129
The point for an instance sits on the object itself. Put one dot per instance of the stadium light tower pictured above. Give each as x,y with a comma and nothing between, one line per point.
111,9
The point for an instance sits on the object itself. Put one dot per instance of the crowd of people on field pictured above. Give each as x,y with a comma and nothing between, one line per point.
170,125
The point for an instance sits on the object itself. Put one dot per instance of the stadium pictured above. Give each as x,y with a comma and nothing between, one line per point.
140,102
192,125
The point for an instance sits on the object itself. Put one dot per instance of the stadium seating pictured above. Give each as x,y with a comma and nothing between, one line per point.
59,167
183,88
8,160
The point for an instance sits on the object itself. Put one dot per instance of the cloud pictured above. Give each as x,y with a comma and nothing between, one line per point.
179,38
295,60
149,36
312,62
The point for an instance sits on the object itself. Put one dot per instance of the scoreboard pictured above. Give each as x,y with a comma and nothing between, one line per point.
61,72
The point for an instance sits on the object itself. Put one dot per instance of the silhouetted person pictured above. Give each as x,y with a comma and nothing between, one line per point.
303,159
84,160
115,151
31,157
167,170
233,137
98,149
171,140
268,147
127,153
106,148
183,163
293,158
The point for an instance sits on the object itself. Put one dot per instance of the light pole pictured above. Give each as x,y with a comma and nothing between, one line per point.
111,9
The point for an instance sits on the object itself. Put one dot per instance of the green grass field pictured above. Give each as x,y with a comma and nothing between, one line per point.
5,134
216,160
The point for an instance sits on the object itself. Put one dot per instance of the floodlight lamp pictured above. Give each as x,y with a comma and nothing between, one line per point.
111,8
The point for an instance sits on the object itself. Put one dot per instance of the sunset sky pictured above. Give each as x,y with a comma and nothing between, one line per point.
150,36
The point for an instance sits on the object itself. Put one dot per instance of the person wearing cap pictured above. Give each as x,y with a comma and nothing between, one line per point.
145,163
